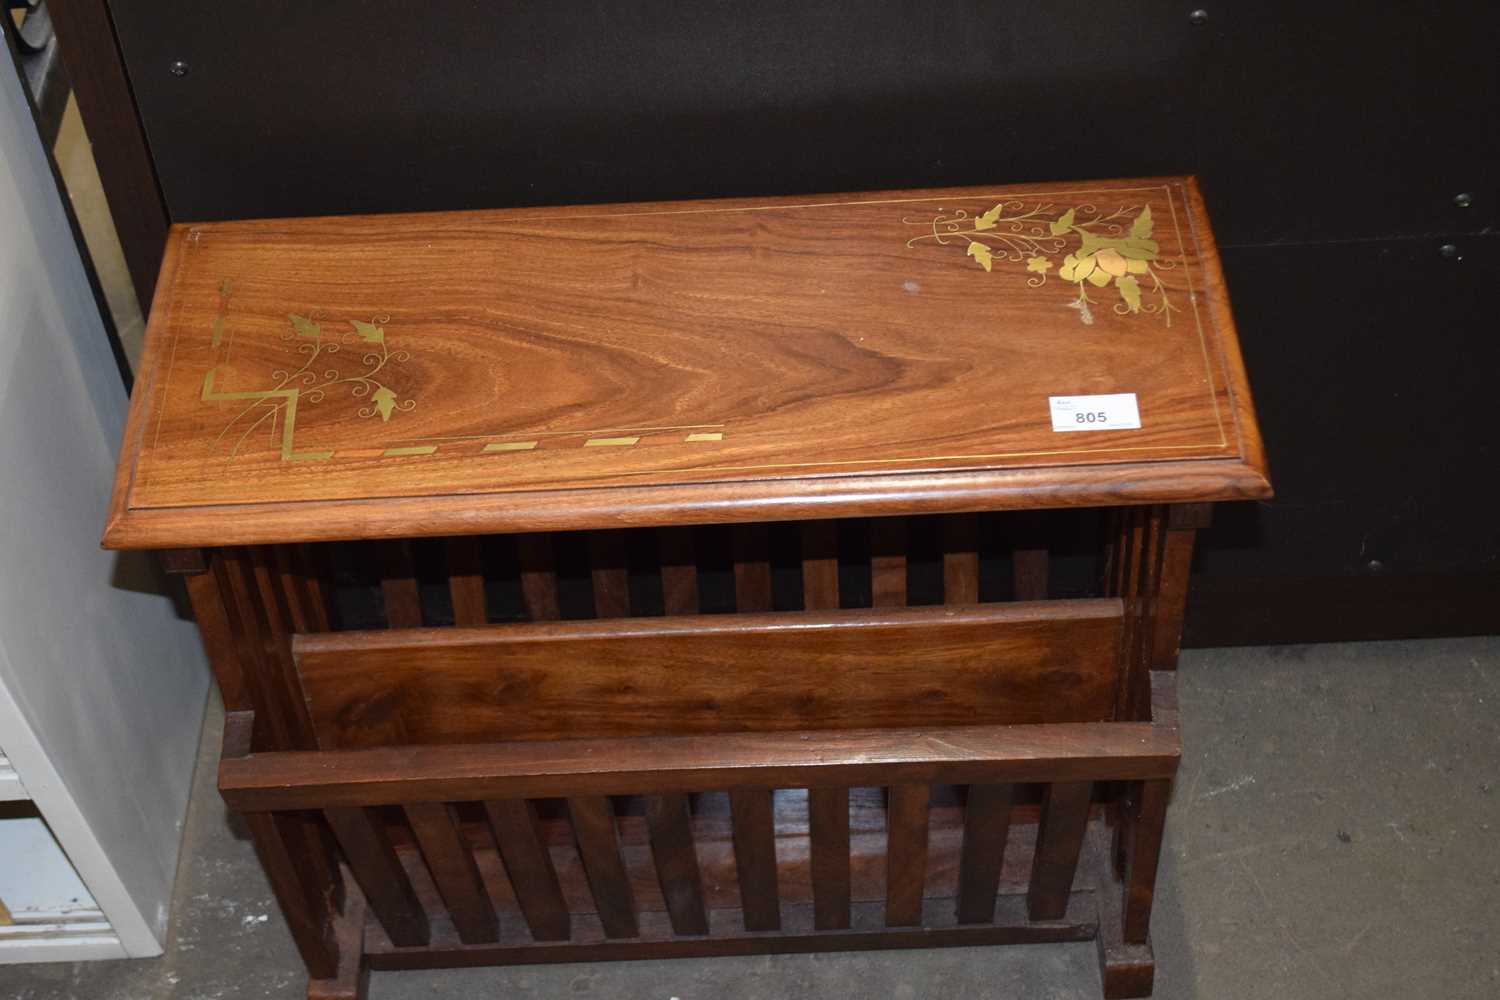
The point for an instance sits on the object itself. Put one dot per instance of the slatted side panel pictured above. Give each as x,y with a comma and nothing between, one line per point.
259,596
952,559
423,874
1137,547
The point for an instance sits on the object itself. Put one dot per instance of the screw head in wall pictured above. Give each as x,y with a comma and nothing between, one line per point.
1198,16
1463,199
178,68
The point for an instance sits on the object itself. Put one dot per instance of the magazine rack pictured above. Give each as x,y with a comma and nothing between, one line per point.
697,579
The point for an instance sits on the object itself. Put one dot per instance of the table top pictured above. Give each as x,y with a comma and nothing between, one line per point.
691,362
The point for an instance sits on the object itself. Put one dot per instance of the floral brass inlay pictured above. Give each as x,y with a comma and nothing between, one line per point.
309,384
1111,249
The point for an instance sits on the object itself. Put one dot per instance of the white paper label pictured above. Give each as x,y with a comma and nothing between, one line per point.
1113,412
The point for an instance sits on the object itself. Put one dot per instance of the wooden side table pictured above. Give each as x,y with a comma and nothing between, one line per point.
697,579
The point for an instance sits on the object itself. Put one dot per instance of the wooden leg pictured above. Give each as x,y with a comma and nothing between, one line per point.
1142,826
282,848
1127,970
352,979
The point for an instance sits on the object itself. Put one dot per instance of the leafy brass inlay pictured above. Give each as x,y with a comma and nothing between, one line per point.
1107,251
278,404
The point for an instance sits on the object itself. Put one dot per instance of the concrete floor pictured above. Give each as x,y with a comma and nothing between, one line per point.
1333,834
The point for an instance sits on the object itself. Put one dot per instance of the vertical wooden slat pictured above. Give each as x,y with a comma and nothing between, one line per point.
1114,550
611,577
277,687
1138,556
316,567
1137,700
1144,821
961,559
304,895
755,858
398,585
986,826
528,864
1030,561
291,580
266,573
676,859
466,580
273,729
277,623
599,847
678,559
828,829
1183,520
373,861
906,854
207,595
752,568
538,576
454,871
820,565
888,562
1059,837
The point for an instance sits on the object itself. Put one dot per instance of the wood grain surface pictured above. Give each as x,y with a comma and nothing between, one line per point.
1053,661
676,363
322,779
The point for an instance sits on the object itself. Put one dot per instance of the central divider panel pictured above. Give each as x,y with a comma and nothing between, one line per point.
998,664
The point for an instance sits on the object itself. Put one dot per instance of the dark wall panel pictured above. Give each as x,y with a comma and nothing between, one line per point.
1374,365
1340,120
302,108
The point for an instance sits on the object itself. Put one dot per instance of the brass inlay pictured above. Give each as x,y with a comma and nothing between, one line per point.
1107,251
419,449
511,446
580,432
614,442
308,384
717,436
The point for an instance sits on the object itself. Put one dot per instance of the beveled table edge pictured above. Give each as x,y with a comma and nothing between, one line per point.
1194,481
